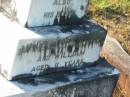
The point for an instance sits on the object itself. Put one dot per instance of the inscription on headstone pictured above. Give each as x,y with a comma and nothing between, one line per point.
57,12
46,12
49,49
52,49
54,53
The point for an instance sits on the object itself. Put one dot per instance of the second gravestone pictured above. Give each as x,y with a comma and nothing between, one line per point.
34,13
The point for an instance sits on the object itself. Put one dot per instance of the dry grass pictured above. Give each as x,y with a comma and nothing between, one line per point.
116,19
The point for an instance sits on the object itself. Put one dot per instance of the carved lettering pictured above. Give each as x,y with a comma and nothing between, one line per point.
48,14
67,64
62,51
59,49
62,2
40,68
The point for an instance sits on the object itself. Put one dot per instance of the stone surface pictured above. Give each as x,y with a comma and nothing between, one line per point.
116,55
94,81
44,50
45,12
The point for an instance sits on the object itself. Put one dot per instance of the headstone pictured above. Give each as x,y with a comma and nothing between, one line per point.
45,12
52,61
44,50
95,81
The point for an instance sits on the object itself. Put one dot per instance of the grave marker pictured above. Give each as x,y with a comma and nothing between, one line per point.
64,58
46,12
44,50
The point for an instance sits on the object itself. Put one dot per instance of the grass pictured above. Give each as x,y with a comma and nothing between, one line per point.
115,15
120,6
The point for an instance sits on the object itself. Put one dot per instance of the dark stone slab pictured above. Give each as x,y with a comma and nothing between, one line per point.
93,81
95,88
99,69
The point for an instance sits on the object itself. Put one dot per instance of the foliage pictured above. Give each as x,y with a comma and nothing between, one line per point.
115,16
122,6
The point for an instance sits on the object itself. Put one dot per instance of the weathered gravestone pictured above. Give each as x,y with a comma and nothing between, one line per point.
64,54
48,49
45,12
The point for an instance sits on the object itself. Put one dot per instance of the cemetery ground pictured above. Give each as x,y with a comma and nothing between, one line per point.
115,15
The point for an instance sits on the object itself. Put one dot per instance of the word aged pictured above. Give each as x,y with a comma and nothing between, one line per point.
67,65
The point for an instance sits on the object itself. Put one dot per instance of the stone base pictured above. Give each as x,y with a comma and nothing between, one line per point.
43,50
94,81
45,12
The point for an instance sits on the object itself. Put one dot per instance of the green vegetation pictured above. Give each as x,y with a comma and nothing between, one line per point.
115,15
120,6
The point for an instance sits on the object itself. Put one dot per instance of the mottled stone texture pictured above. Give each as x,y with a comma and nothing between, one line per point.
117,56
94,88
94,81
9,7
44,50
34,13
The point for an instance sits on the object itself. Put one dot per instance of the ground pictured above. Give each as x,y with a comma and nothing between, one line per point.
116,22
